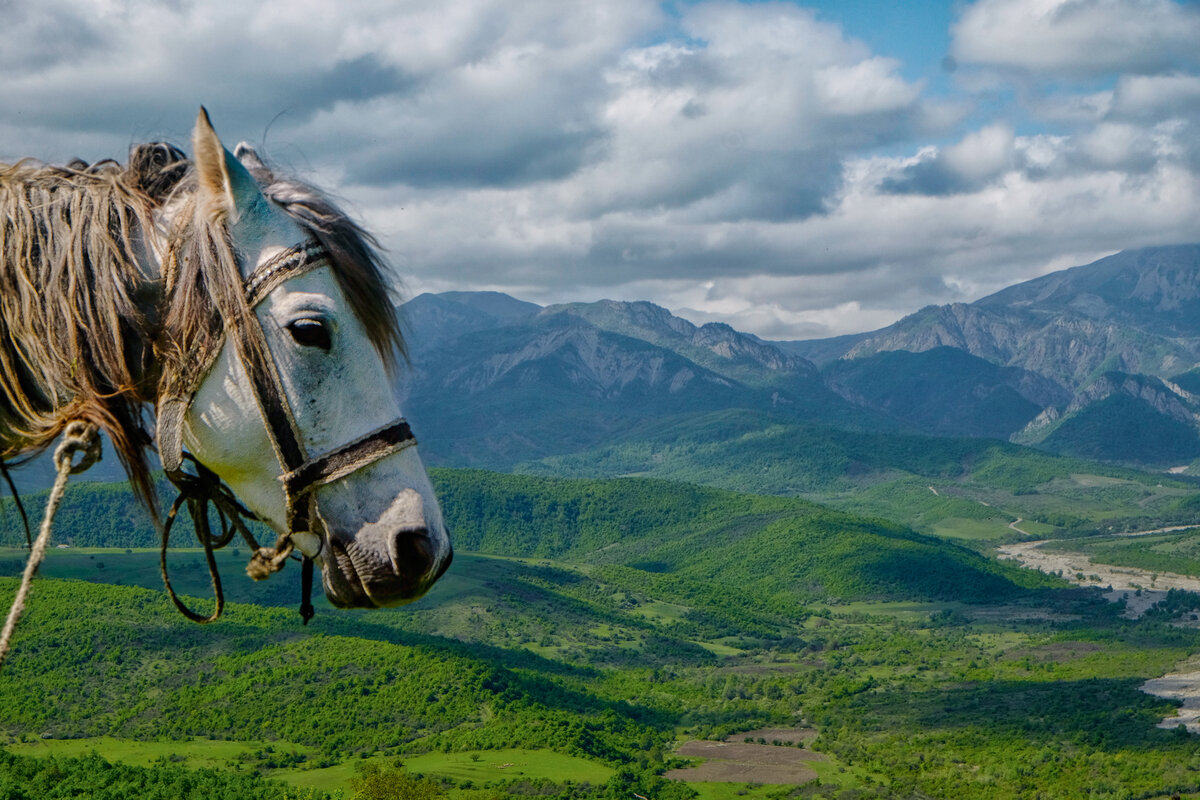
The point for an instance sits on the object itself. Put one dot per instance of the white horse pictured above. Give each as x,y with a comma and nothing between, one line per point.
253,315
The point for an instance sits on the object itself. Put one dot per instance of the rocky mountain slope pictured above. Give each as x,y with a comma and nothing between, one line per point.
1090,361
1136,311
1108,343
493,383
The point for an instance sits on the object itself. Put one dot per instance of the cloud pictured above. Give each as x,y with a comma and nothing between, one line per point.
747,162
1157,96
971,164
1078,38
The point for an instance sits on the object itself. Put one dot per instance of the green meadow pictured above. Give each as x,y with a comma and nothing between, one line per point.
588,629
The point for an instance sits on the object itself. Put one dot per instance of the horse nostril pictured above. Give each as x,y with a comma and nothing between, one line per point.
412,553
445,565
418,559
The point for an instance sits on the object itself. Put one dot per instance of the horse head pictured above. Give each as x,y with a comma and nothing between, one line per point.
293,405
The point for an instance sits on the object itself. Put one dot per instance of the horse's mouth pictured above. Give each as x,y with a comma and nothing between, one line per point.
392,561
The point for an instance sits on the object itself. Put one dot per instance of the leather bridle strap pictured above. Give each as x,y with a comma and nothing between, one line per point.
301,474
348,458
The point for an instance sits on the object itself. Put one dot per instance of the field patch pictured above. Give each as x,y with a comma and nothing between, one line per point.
481,767
739,762
195,753
972,529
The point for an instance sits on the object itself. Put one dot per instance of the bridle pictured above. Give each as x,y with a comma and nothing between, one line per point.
302,474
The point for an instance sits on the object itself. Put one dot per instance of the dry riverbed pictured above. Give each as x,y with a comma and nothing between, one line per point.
1141,590
1138,588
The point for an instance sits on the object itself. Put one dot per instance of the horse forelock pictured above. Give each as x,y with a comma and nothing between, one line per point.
204,291
358,266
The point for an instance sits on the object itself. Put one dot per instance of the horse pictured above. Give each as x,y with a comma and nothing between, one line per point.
244,326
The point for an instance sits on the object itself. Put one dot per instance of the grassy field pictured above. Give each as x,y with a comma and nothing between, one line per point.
193,752
479,767
600,668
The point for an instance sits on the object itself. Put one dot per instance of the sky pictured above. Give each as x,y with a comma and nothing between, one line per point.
797,170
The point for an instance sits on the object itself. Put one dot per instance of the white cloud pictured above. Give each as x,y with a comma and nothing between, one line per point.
747,162
1078,38
1157,95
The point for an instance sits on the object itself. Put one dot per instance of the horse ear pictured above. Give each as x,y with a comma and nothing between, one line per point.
225,186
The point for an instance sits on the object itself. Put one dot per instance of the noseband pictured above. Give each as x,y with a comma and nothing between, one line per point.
302,474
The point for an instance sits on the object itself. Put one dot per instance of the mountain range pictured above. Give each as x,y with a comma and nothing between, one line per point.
1095,361
1098,361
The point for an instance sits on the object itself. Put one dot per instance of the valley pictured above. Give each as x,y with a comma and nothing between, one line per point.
605,625
690,563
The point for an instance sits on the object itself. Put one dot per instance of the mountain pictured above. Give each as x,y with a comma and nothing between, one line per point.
946,391
1136,311
429,318
494,383
1120,417
1102,348
714,345
1089,361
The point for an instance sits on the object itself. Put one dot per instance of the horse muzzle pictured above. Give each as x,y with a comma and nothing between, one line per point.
388,562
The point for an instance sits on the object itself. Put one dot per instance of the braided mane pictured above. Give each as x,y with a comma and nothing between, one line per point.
87,322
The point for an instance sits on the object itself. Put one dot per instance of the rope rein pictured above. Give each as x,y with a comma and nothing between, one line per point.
79,437
198,490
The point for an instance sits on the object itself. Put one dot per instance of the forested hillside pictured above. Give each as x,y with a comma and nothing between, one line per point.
792,547
889,700
786,549
595,626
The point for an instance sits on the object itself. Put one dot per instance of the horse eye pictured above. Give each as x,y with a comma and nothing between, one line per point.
311,333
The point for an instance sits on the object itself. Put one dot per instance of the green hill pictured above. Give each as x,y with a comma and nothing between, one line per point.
945,391
91,660
924,482
784,548
659,526
1126,429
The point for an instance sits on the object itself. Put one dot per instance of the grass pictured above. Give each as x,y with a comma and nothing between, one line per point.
485,766
731,791
661,611
718,649
897,610
480,767
194,753
971,529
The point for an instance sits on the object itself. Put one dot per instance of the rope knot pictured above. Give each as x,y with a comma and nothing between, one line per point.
78,437
266,561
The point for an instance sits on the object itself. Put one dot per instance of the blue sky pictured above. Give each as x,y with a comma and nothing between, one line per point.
916,33
794,169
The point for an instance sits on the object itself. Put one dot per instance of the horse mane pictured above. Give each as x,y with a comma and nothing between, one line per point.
73,308
86,333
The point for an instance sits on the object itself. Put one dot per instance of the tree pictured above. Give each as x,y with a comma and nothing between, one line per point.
378,783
